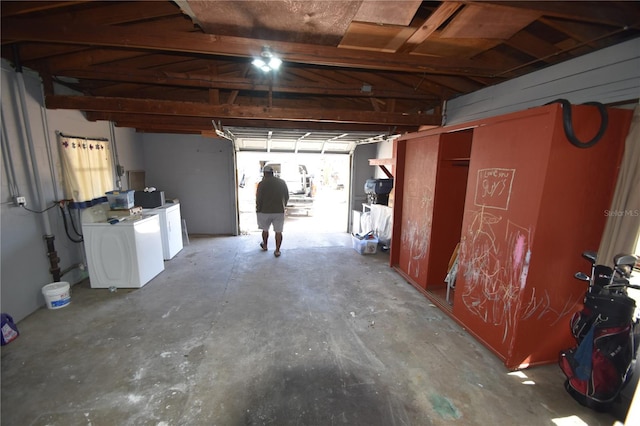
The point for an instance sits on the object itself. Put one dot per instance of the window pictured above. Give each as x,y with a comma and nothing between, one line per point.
87,167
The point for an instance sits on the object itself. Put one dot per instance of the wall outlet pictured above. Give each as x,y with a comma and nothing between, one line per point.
21,201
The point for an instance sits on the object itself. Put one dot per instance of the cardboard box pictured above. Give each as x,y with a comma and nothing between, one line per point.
367,246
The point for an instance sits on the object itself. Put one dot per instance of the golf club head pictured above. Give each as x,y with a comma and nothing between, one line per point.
590,255
624,270
582,276
625,259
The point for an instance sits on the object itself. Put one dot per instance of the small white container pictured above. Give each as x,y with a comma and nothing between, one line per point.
57,295
366,246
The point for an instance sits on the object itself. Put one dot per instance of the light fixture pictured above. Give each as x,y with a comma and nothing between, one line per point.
267,60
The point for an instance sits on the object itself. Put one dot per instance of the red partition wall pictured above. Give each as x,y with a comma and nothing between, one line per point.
430,184
506,176
411,246
534,203
578,188
531,204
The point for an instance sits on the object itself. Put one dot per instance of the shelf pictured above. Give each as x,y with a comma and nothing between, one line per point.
464,162
382,163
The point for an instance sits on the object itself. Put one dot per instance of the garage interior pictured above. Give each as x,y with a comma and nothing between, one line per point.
228,334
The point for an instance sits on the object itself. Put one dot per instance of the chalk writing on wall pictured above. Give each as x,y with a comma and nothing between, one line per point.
493,188
416,231
495,269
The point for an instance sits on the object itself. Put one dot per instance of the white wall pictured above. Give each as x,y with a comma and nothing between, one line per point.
199,171
360,172
25,264
610,75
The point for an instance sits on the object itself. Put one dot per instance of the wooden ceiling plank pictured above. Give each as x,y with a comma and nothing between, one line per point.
421,86
127,37
17,8
475,21
300,21
83,59
377,38
437,18
130,105
598,12
532,45
398,12
109,12
454,47
578,32
457,84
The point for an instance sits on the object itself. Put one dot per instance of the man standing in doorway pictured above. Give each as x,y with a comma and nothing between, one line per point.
272,197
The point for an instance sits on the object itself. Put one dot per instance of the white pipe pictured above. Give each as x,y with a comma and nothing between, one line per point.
32,155
7,158
47,140
116,159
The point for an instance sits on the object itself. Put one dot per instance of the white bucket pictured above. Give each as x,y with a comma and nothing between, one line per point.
57,295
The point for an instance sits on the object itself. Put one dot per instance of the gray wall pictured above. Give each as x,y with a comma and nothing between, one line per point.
25,265
360,172
609,75
199,171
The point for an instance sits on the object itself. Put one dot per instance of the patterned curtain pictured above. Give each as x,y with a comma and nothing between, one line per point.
87,168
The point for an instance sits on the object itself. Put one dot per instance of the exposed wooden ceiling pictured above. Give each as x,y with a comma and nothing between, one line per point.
367,66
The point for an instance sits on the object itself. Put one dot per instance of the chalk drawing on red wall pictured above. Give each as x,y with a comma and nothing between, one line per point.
493,188
495,266
416,231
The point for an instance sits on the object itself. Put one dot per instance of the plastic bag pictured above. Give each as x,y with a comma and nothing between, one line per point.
9,329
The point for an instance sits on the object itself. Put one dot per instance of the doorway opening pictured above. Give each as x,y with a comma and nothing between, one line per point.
323,209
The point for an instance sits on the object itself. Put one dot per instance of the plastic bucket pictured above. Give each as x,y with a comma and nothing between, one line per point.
57,295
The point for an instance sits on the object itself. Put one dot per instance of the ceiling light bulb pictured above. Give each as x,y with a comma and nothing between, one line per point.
259,63
267,61
274,63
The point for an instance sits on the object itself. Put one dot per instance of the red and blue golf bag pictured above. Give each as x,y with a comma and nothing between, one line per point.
601,364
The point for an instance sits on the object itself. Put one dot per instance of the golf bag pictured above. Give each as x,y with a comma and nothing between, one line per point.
601,364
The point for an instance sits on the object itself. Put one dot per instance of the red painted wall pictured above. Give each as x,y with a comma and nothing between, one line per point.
534,203
420,165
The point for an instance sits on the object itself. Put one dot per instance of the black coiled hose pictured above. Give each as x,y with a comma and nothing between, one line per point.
568,123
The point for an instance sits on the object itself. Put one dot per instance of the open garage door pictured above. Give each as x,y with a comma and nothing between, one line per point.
301,141
316,164
324,207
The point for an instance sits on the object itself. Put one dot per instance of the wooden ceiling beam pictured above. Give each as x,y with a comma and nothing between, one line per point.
195,124
175,108
131,37
165,78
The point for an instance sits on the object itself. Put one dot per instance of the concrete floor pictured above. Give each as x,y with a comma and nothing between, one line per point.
231,335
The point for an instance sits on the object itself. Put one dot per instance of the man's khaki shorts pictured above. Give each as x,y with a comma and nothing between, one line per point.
265,220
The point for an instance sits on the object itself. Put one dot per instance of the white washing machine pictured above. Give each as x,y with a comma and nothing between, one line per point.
127,254
170,228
